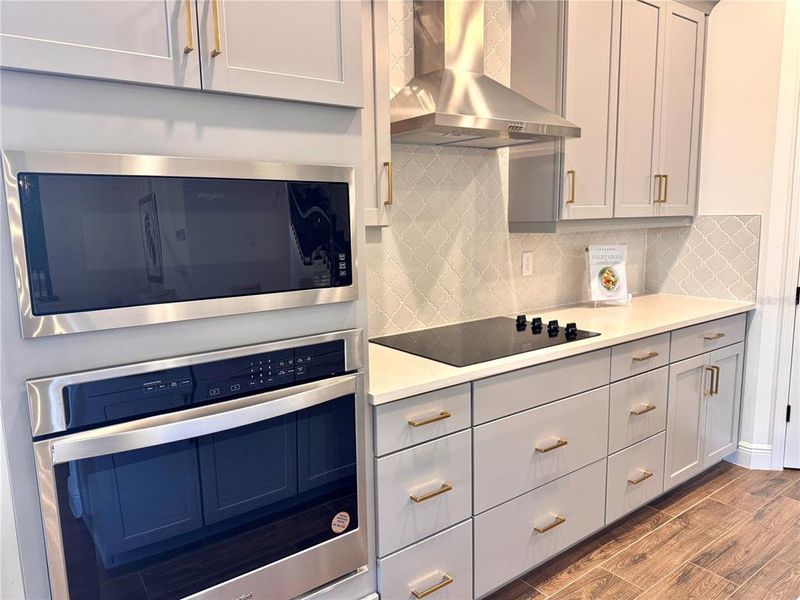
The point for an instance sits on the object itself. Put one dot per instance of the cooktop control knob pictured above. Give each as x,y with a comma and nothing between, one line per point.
571,331
552,328
536,325
521,322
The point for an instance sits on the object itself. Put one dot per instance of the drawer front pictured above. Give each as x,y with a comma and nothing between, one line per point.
635,476
420,472
513,392
524,451
638,408
506,544
421,418
705,337
639,356
445,556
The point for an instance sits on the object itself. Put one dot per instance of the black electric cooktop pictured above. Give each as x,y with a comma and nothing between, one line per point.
478,341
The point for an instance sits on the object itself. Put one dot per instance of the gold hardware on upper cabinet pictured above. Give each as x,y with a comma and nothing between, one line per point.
638,480
572,187
713,384
559,443
666,188
660,180
645,409
389,186
558,521
440,417
217,31
714,336
647,356
446,487
446,580
189,47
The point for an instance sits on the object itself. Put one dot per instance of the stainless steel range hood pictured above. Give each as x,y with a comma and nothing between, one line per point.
451,101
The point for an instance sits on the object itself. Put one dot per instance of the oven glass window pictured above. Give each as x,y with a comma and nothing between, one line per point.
108,241
175,519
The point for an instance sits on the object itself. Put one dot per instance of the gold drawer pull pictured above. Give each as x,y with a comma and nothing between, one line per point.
645,475
559,443
558,521
446,487
440,417
645,409
446,580
647,356
714,336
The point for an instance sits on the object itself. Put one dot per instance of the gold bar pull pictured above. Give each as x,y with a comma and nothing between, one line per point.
189,47
647,356
645,409
660,188
712,385
390,188
217,32
446,580
645,475
558,521
446,487
716,380
666,188
440,417
714,336
571,199
559,443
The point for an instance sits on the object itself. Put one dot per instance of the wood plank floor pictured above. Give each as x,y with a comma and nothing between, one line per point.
728,534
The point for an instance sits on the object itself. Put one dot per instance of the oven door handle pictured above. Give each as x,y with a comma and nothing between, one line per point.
196,422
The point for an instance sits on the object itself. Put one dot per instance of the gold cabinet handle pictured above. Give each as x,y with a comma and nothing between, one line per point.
714,336
440,417
571,199
659,179
666,189
217,32
189,47
446,580
713,384
559,520
716,380
446,487
645,357
389,187
645,475
559,443
645,409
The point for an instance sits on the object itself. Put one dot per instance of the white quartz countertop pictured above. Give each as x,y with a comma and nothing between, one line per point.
394,374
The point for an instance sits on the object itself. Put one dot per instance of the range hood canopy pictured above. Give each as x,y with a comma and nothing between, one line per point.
451,101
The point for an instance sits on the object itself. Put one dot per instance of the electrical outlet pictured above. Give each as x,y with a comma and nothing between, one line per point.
527,264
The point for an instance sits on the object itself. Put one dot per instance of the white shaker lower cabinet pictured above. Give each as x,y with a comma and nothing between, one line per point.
635,476
144,42
722,408
518,535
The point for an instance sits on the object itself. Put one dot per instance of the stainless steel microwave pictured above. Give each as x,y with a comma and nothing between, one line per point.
101,241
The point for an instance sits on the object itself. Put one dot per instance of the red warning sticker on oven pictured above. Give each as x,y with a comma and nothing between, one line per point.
340,522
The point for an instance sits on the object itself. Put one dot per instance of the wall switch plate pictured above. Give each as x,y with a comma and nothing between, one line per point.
527,264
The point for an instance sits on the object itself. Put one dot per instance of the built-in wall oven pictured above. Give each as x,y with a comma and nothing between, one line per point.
102,241
230,474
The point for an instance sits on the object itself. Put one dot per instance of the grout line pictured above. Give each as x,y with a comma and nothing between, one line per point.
712,572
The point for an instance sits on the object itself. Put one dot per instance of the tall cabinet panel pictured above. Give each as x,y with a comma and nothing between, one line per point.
308,51
688,383
130,40
640,81
722,407
592,60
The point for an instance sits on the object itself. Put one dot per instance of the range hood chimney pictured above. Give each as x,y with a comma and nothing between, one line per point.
451,101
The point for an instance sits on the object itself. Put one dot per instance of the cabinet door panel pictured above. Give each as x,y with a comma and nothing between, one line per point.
591,101
130,40
308,51
722,409
640,80
680,125
688,383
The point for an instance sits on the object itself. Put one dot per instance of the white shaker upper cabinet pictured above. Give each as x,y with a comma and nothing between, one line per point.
640,81
143,41
591,65
309,50
680,121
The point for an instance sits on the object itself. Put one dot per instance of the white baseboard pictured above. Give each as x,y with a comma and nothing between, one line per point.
752,456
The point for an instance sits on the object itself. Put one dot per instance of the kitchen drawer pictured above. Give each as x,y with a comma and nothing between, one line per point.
638,408
635,476
513,392
639,356
705,337
421,418
509,458
443,465
445,556
506,543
